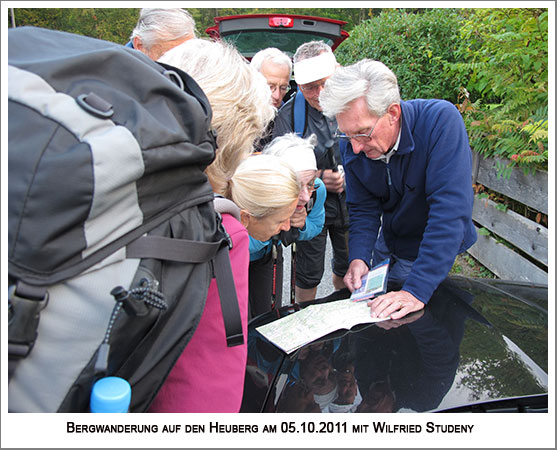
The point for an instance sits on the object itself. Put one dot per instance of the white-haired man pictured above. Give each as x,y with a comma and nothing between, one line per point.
276,67
408,180
314,63
160,29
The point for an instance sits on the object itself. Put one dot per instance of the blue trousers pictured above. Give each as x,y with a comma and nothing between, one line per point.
398,269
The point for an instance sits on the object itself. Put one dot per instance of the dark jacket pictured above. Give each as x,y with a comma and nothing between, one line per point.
324,128
423,195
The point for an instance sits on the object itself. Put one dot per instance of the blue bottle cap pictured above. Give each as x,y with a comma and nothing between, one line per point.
111,395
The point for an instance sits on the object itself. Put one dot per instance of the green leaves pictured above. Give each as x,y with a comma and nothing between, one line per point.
110,24
415,45
506,51
491,62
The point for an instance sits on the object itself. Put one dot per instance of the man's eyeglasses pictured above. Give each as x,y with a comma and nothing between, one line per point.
363,137
283,89
311,87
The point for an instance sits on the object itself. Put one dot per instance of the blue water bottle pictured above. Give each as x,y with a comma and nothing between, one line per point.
111,395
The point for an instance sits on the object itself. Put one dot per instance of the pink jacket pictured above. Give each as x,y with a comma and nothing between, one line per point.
209,376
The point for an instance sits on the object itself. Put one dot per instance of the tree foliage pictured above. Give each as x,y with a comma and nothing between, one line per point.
503,55
116,24
109,24
414,46
491,62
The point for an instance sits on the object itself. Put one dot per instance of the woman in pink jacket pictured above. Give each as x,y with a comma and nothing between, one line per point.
209,376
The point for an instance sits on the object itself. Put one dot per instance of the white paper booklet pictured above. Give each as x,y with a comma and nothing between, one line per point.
315,321
373,283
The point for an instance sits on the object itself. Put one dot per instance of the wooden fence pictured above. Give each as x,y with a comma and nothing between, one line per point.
524,234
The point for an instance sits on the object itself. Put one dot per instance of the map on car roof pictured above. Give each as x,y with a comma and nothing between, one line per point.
315,321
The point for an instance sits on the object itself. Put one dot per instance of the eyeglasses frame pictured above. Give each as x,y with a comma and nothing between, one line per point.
357,137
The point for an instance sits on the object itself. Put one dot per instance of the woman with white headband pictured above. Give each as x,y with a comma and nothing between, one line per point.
266,269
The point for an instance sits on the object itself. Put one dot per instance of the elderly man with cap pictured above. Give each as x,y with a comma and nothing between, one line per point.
265,273
314,63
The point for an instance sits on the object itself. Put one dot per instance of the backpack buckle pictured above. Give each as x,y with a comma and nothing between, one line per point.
24,308
227,237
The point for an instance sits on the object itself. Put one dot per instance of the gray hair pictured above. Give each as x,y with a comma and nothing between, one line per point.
271,54
282,144
366,78
163,24
310,50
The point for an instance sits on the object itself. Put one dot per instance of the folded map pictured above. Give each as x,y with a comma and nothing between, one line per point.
315,321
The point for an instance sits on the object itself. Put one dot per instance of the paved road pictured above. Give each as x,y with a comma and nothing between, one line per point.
326,286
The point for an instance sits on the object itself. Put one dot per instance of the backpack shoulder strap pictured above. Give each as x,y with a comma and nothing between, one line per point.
181,250
224,206
299,114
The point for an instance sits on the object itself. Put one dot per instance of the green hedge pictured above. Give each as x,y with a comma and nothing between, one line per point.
109,24
490,62
503,55
415,46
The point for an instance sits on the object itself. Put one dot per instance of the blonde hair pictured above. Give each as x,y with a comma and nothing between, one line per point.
239,96
262,184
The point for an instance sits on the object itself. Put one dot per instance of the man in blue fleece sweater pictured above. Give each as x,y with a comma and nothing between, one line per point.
408,168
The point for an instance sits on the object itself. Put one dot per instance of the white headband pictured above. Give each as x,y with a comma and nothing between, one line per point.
299,159
316,68
336,408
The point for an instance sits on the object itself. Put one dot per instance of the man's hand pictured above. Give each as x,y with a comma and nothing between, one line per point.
334,181
353,278
396,304
298,219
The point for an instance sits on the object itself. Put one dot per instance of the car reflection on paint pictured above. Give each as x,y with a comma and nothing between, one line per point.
478,346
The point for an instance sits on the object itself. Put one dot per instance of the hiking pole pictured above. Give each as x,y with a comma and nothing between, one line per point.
293,273
329,145
274,254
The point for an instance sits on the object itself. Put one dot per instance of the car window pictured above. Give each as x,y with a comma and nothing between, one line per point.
251,33
250,42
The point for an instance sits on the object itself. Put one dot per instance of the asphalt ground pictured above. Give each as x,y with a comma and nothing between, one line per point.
325,287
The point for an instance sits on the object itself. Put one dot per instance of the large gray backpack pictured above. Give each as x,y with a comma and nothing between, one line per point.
113,235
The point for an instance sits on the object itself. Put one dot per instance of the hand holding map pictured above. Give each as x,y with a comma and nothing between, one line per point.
373,283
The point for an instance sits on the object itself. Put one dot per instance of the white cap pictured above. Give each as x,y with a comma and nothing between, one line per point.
316,68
